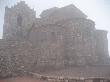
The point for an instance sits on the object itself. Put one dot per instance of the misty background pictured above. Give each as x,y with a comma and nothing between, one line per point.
96,10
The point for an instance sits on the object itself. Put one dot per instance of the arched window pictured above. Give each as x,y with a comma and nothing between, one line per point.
19,32
53,36
19,20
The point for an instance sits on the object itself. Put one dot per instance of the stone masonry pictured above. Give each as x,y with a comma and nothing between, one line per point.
60,38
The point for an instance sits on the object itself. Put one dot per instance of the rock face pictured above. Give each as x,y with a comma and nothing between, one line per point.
62,37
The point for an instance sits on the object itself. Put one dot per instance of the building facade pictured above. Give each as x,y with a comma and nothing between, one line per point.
60,38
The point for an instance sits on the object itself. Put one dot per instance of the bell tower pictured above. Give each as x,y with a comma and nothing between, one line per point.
17,21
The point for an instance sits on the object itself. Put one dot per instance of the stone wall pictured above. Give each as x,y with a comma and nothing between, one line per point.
15,57
40,44
101,46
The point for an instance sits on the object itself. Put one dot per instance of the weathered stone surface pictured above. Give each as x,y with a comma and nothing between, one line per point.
61,38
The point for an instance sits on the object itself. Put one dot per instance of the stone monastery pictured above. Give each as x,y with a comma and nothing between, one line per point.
61,39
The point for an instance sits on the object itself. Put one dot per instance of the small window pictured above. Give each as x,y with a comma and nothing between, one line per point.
53,33
19,20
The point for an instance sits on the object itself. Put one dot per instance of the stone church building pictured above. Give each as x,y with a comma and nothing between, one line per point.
61,38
